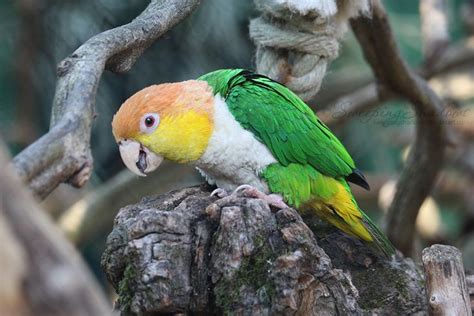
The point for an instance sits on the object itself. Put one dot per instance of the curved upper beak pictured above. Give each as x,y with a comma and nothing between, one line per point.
139,159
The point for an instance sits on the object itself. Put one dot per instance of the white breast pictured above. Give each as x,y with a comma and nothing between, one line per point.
233,156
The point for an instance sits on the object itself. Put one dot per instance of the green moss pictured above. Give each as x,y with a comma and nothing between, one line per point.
377,284
253,273
125,291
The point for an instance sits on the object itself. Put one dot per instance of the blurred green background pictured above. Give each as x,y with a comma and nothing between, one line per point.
36,35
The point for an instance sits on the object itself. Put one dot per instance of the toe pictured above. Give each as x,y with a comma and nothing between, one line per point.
246,190
277,201
220,193
241,189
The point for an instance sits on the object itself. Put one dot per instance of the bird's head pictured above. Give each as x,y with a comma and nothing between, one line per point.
171,121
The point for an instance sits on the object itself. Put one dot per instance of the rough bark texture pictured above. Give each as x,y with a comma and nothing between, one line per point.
470,288
63,154
446,287
188,252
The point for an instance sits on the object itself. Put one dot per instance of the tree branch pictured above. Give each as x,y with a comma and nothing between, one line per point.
43,274
426,158
369,96
63,154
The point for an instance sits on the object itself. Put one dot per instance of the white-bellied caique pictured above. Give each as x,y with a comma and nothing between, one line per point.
245,131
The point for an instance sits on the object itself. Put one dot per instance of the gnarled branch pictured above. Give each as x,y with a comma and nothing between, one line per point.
63,154
42,272
417,179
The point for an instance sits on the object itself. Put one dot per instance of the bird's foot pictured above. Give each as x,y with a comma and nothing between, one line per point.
275,200
220,193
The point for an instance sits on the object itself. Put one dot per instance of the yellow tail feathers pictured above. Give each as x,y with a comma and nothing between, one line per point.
304,188
342,211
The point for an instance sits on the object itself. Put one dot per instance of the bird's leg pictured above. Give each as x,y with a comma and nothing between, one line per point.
220,193
275,200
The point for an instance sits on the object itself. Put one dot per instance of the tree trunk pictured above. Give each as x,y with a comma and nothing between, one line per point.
188,252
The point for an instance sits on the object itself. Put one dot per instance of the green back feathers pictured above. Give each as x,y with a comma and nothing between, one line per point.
221,80
313,164
281,120
297,183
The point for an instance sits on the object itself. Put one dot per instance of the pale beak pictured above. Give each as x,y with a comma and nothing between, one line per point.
139,159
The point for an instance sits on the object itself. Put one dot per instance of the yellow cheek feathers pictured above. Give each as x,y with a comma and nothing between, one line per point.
181,138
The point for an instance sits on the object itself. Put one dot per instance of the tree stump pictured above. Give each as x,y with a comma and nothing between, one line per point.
446,286
187,252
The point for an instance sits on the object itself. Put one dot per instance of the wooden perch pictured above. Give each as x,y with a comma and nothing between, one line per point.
41,273
63,154
446,288
417,179
186,252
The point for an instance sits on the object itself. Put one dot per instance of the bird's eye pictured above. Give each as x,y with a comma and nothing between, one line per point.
149,122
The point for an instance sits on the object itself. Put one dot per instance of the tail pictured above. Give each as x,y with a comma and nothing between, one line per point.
340,209
329,198
380,241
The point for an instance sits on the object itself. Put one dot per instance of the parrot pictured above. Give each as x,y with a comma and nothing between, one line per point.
245,132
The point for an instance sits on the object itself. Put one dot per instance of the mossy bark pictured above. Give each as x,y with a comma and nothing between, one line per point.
187,252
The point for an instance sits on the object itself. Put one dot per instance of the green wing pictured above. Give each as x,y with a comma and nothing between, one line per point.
283,122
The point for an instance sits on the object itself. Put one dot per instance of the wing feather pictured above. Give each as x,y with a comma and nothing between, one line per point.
283,122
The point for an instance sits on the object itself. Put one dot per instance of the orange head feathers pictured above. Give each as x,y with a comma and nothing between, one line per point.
172,121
